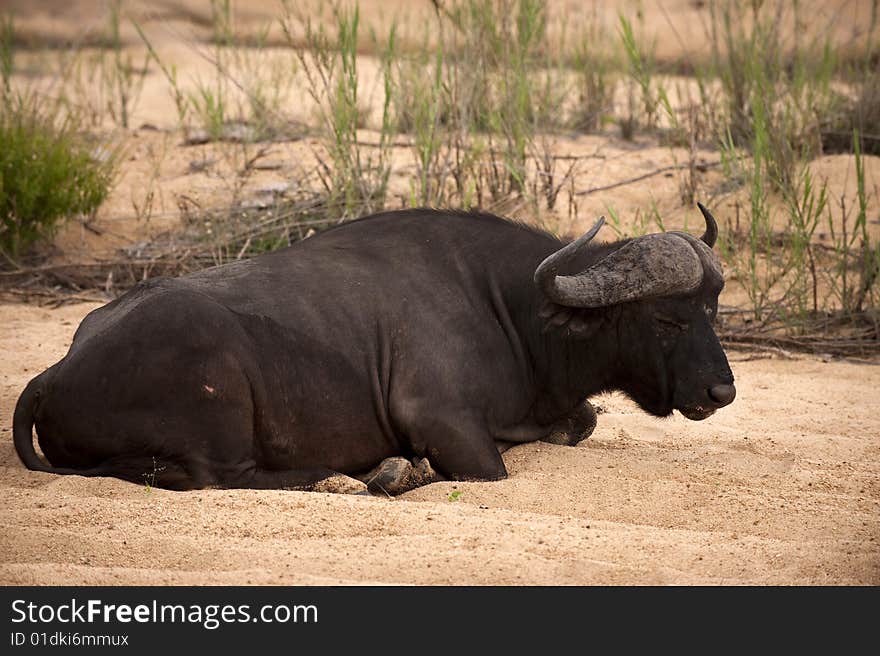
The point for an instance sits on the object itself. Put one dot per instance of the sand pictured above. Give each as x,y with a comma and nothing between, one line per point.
782,487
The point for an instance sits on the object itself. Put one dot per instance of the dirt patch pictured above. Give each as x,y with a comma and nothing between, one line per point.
782,487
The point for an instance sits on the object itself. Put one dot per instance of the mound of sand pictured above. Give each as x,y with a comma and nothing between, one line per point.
781,487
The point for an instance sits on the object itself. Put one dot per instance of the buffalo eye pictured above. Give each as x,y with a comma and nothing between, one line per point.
669,322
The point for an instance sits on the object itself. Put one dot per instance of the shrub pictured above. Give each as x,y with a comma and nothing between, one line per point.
47,172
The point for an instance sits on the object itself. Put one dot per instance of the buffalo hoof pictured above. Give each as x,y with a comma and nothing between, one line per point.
423,472
576,428
341,484
389,477
398,475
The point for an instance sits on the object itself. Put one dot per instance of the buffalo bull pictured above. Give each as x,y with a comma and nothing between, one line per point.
427,337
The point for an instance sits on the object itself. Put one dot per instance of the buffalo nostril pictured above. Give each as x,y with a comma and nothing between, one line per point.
722,394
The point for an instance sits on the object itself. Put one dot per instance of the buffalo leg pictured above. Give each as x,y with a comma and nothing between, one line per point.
398,475
308,480
576,428
455,439
465,452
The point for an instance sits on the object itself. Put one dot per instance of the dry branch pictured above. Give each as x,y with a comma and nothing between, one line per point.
645,176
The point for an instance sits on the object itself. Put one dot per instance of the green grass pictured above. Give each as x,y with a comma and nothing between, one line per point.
421,82
854,276
356,176
777,99
641,69
596,81
773,84
7,53
122,79
483,95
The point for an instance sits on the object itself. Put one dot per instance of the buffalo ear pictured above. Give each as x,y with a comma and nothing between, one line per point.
584,324
554,316
571,322
548,309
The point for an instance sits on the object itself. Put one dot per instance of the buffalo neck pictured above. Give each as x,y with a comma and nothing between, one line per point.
559,369
567,368
564,367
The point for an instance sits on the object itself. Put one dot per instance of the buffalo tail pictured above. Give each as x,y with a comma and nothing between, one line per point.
23,423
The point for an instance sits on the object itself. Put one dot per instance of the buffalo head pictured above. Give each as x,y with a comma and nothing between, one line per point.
660,294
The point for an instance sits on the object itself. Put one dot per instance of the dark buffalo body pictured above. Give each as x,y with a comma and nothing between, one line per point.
415,333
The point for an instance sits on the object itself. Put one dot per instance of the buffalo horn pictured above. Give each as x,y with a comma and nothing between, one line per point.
545,274
711,233
662,264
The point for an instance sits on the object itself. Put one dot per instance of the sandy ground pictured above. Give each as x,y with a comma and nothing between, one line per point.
782,487
679,29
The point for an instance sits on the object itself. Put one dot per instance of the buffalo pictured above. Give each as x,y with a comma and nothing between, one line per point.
380,354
